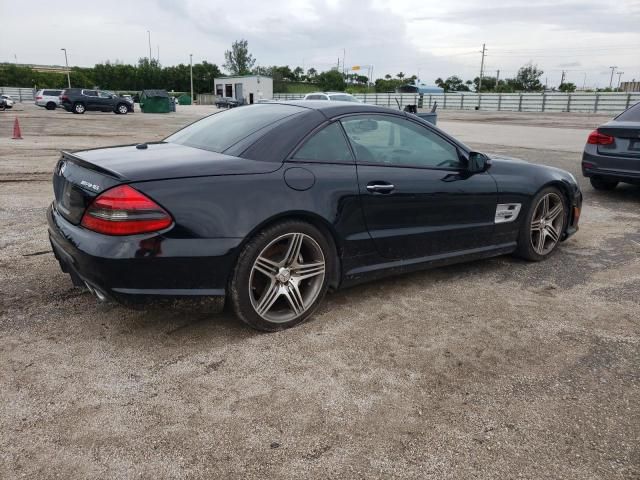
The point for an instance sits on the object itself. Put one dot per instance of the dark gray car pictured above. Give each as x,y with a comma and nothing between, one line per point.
612,152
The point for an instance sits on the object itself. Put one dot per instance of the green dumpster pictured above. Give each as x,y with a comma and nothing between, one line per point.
184,99
155,101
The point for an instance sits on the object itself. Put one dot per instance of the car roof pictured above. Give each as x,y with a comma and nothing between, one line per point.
337,108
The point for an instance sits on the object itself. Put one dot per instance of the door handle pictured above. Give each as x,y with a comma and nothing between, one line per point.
380,187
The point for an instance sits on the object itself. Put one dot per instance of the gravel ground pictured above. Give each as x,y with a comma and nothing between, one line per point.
495,369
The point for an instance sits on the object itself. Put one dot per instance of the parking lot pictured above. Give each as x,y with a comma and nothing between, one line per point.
495,369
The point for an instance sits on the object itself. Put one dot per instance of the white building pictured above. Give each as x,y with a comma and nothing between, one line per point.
250,88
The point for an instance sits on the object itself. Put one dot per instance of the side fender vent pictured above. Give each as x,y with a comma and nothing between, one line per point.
507,212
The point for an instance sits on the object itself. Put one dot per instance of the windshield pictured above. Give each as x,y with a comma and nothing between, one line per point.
222,130
343,98
631,114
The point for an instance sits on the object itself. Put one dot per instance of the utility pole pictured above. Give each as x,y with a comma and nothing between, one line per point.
158,57
619,78
344,65
584,81
15,57
562,79
148,32
191,72
66,62
611,80
497,78
481,68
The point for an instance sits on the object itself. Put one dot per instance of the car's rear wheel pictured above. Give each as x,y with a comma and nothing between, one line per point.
50,106
281,276
122,109
543,226
600,183
79,108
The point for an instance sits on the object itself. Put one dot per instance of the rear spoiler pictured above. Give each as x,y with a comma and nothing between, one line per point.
71,157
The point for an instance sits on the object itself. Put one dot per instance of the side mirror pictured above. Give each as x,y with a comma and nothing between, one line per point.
478,162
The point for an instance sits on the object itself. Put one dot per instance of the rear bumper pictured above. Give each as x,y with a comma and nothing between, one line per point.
137,268
622,169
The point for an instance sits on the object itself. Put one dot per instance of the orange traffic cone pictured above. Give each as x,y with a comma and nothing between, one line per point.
17,135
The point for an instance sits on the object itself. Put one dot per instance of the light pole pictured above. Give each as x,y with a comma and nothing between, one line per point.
66,62
483,52
149,33
191,72
613,69
619,73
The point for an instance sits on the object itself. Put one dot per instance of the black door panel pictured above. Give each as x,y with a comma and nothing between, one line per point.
429,211
417,197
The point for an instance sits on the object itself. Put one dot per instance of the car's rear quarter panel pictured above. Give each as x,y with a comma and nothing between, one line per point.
237,206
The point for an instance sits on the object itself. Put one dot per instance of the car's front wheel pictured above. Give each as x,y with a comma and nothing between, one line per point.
78,108
281,276
122,109
600,183
543,225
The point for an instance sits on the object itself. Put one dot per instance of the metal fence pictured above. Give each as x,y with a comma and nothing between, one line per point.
611,103
19,94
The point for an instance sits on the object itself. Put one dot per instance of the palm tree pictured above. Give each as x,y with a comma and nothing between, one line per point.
387,76
400,75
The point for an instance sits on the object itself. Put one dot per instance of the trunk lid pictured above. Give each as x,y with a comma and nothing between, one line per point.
627,139
81,176
170,160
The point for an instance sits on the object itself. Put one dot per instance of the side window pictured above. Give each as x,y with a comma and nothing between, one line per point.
316,97
90,93
398,142
327,145
102,94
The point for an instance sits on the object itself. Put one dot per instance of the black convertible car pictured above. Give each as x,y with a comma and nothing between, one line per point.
273,204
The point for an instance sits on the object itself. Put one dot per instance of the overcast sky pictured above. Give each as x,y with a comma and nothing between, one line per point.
428,38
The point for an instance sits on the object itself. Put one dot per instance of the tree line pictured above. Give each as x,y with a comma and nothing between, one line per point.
117,76
148,73
526,80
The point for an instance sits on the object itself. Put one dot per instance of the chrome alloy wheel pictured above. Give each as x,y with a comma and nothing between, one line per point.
287,277
547,223
123,109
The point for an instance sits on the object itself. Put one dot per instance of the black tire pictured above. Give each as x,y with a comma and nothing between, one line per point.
121,109
79,108
527,235
50,106
600,183
240,287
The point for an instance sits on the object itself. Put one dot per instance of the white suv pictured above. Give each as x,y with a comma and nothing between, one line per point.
335,96
49,99
8,101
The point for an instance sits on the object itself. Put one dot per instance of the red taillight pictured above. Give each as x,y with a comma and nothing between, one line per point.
597,138
125,211
63,97
38,97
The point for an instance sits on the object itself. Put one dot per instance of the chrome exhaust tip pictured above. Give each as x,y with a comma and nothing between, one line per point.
98,294
90,288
